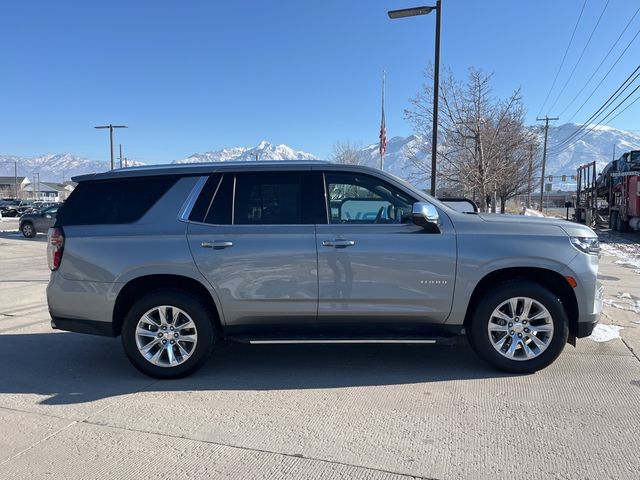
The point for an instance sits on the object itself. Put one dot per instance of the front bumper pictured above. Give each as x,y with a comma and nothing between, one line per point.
586,328
588,321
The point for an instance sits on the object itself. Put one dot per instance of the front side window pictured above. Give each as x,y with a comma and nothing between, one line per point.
362,199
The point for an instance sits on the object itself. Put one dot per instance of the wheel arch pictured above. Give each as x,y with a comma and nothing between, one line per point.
546,278
142,285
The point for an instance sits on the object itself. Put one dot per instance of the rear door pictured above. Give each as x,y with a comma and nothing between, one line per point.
253,239
374,265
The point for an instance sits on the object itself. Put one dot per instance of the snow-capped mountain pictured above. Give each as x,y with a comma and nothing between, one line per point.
399,159
53,168
597,144
263,151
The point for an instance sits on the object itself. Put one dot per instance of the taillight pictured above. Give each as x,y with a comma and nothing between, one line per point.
55,247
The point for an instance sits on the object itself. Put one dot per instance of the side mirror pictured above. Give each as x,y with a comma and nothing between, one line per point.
425,215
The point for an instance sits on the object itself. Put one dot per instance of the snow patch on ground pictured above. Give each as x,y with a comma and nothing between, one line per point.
629,307
532,213
627,255
605,333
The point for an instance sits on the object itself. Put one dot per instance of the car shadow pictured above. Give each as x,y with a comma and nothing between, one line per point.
72,368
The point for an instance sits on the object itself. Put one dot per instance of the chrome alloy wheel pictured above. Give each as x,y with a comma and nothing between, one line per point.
520,328
166,336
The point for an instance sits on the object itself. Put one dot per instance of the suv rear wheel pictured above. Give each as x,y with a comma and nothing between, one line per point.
28,230
168,334
519,327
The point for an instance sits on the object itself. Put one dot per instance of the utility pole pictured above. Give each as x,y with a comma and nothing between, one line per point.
614,153
530,176
383,129
35,186
120,155
126,162
546,120
111,127
15,177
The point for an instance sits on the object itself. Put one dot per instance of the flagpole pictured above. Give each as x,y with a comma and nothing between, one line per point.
383,128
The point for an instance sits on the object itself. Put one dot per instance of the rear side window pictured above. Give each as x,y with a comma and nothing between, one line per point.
123,200
269,199
264,198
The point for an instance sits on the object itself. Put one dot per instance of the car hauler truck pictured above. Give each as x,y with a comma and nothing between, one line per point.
616,191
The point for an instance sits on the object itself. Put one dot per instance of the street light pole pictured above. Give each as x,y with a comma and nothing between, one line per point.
111,127
436,83
411,12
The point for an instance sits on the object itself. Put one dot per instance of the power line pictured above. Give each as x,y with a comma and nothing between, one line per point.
621,112
605,77
581,55
602,62
553,84
592,128
605,105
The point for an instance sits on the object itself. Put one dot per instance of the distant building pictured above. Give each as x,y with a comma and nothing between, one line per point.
46,191
8,186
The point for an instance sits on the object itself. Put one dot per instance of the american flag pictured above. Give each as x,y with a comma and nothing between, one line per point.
383,135
383,127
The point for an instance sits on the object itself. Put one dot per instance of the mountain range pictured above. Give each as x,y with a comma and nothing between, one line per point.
597,144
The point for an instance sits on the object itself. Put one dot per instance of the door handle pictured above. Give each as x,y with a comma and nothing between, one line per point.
338,243
218,244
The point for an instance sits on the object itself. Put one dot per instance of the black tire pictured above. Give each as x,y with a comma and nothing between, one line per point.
478,335
613,220
621,225
28,230
200,314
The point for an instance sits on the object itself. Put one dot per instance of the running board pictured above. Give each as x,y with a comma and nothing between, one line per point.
446,340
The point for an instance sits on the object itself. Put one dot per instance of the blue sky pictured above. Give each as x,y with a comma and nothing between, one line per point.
192,76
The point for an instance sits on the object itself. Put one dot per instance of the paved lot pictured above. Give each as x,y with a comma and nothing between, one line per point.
71,406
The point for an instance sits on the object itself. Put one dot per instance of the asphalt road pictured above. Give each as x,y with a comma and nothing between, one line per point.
71,406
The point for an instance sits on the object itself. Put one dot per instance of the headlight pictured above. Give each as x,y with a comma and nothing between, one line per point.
590,245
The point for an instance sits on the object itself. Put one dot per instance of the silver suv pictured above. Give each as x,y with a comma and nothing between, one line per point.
175,258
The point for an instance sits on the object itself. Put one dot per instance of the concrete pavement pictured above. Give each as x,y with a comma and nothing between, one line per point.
71,406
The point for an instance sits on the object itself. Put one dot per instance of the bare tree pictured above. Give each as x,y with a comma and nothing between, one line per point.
347,153
482,138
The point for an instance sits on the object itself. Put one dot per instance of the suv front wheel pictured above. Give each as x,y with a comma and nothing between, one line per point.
168,334
519,327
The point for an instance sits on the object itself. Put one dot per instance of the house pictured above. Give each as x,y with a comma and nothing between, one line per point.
46,191
69,186
8,186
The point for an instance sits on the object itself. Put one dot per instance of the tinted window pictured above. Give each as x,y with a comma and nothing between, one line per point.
219,211
269,199
355,198
113,201
200,208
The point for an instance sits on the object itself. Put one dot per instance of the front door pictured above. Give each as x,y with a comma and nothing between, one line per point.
374,265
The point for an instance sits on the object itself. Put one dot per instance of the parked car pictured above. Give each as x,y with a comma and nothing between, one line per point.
13,208
36,207
38,222
174,258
